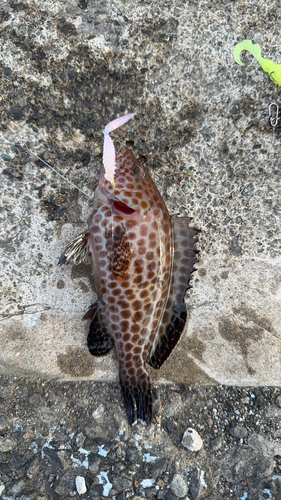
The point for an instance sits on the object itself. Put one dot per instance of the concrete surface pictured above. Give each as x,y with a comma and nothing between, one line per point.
67,69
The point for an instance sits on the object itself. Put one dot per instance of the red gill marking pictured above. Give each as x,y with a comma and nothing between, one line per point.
121,207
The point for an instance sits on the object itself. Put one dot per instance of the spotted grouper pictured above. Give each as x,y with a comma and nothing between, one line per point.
143,259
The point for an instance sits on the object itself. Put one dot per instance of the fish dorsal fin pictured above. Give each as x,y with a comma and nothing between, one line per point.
174,318
77,250
99,340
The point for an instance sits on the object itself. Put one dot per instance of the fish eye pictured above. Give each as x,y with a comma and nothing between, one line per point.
136,170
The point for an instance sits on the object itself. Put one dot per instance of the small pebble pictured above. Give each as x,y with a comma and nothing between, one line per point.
7,71
80,438
6,157
3,422
171,426
172,409
179,486
35,399
278,400
216,443
80,485
7,444
23,102
98,413
210,421
238,432
191,440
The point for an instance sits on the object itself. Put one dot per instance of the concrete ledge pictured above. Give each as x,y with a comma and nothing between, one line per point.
202,131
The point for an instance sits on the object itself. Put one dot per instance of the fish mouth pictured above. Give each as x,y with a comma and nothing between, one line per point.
120,208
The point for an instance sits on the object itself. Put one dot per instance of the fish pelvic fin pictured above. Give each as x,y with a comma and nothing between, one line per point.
76,251
248,45
99,340
175,316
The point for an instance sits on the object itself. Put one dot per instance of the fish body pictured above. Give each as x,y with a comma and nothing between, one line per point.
273,69
143,259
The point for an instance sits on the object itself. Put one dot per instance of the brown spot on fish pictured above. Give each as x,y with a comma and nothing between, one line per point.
136,305
138,280
143,230
137,316
125,313
123,304
135,328
124,326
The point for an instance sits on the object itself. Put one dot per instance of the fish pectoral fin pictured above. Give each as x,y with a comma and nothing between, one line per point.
99,339
77,250
175,315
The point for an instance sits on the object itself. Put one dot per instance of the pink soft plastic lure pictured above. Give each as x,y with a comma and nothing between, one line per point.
143,259
109,155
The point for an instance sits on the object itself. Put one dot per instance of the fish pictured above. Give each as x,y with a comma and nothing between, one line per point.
273,69
143,259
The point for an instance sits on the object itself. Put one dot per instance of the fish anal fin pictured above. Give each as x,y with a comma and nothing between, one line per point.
99,340
77,250
175,316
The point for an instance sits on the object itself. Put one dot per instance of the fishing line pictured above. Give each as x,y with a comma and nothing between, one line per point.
54,170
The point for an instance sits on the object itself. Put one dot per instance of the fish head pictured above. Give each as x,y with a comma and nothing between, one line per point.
130,193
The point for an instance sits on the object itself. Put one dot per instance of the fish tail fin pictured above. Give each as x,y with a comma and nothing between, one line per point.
248,45
137,395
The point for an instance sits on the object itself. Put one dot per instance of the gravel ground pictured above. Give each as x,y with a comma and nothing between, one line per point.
52,433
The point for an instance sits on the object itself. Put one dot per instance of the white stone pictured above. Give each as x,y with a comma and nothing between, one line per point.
191,440
80,485
179,486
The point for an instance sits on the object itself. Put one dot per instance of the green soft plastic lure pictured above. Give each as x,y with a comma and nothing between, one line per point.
273,69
